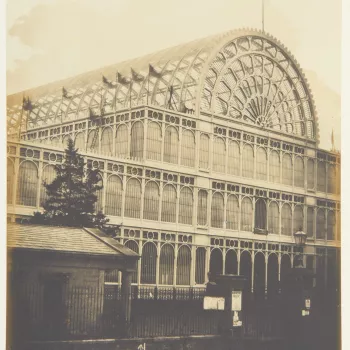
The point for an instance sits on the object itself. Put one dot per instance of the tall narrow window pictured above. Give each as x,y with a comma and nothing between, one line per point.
274,219
93,142
204,152
274,167
185,206
114,190
154,141
183,272
107,141
310,222
27,184
216,262
248,161
259,274
121,141
246,269
261,164
272,276
260,214
135,248
99,194
219,155
136,144
169,204
246,214
171,145
310,174
298,172
202,212
79,141
232,212
320,224
200,265
286,220
149,263
48,175
151,201
166,265
331,179
231,265
10,181
187,148
233,164
132,199
338,223
298,218
287,170
217,210
330,225
321,176
337,179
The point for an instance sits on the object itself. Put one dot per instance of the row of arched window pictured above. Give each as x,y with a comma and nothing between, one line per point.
219,154
169,203
168,264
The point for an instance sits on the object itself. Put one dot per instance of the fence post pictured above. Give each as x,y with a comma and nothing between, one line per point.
126,301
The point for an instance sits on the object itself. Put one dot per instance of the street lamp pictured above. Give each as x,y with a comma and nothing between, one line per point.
300,238
300,241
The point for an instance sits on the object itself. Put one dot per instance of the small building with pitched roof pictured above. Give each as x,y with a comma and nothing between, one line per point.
56,281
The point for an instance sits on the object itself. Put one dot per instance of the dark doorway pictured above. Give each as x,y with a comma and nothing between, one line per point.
53,307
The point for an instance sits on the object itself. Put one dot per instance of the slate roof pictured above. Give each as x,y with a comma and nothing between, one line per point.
63,239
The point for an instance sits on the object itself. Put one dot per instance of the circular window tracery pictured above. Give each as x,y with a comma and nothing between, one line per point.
253,80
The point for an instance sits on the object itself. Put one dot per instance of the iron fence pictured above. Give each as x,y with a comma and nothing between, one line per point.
156,312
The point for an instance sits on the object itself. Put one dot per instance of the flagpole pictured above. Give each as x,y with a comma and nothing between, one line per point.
262,17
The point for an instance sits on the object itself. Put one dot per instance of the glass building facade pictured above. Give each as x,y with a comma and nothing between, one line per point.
208,155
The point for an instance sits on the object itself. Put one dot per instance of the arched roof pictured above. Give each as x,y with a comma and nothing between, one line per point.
244,75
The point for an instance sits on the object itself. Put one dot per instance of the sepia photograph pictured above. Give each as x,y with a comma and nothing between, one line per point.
173,175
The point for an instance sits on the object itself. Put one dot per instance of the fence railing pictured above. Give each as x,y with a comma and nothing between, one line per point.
89,312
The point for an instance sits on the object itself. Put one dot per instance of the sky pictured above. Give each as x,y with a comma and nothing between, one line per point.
49,40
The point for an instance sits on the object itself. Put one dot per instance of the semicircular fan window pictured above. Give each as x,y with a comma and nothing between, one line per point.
254,81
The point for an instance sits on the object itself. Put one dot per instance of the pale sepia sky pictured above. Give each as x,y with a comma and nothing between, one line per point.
49,40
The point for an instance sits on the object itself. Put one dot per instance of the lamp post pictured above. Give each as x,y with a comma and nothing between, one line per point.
300,241
297,300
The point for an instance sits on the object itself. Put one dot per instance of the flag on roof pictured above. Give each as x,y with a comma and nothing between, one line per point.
136,77
122,80
332,139
108,84
65,93
153,72
27,104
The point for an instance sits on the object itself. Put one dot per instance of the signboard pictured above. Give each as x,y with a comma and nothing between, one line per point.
305,313
236,320
307,303
214,303
236,301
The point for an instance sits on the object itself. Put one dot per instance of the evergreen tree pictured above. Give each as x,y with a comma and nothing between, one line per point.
72,194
